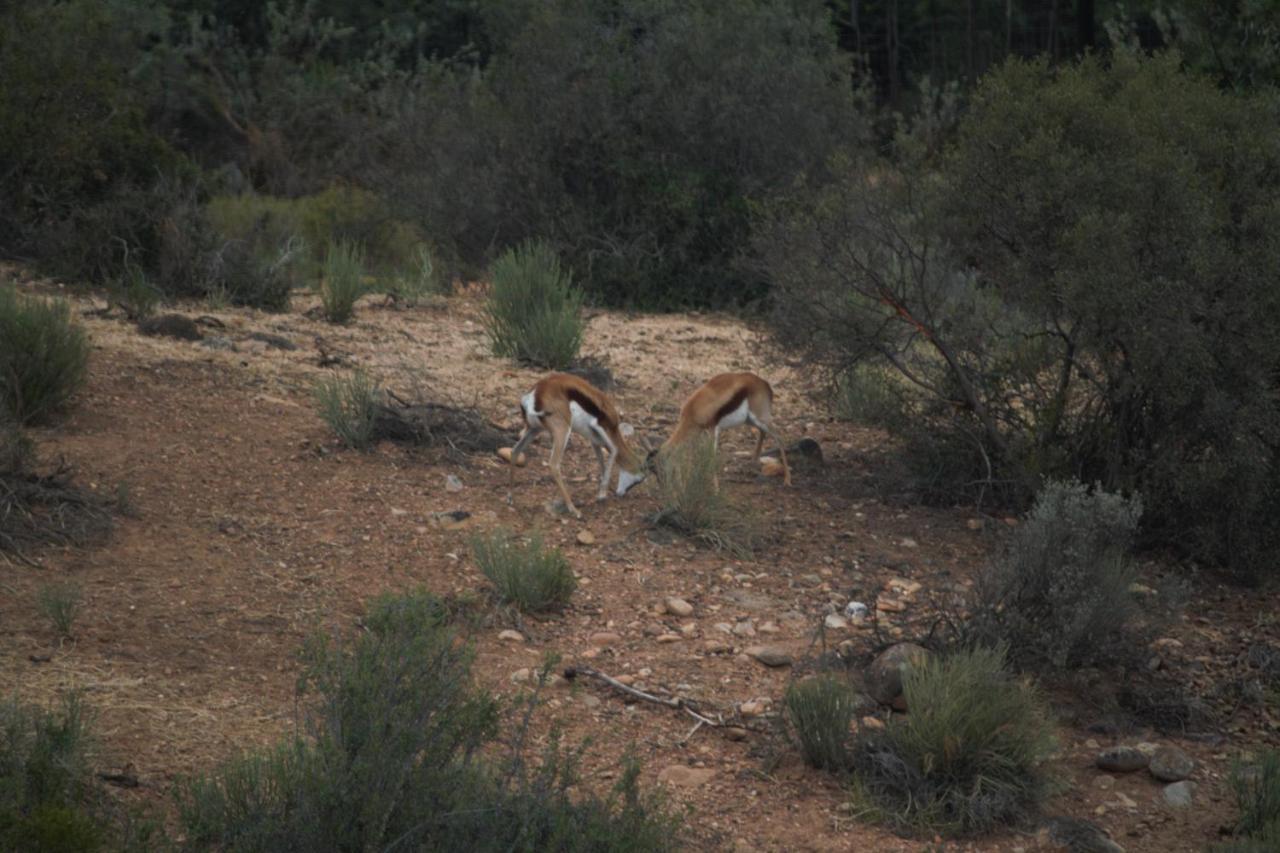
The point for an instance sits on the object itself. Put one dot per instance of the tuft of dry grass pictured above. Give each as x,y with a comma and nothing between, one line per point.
693,504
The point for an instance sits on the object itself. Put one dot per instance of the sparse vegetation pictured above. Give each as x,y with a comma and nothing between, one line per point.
971,755
1257,789
60,604
692,503
1059,595
393,757
821,710
342,282
420,281
44,357
349,405
133,291
38,508
534,312
528,575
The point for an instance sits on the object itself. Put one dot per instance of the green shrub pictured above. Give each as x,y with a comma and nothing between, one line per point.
1257,790
60,604
349,405
1059,596
533,578
821,711
419,282
533,313
44,356
394,757
343,281
692,503
133,291
46,798
971,755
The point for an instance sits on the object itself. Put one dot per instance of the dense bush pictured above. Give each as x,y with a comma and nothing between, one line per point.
47,801
692,502
1089,218
820,711
44,356
634,137
530,576
349,405
1059,597
392,758
969,758
533,312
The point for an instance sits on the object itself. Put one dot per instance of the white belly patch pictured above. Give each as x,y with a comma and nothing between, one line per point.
737,417
587,425
530,414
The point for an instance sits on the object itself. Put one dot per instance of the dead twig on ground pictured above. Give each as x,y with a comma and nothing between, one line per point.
688,706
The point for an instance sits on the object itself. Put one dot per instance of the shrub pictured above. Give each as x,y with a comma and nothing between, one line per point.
1257,789
46,798
692,503
60,604
820,711
343,280
43,356
37,508
968,758
133,291
392,757
420,282
1059,596
533,313
349,405
533,578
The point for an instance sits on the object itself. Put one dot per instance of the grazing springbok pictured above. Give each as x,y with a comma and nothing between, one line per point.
726,401
563,404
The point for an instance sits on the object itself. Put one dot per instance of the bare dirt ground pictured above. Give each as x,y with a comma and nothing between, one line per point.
253,528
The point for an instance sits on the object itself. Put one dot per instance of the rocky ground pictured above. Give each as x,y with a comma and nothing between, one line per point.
251,528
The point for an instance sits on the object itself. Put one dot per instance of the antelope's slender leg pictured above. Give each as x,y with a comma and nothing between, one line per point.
759,446
526,438
559,441
782,448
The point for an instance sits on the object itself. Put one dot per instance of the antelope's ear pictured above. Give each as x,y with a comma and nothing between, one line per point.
626,429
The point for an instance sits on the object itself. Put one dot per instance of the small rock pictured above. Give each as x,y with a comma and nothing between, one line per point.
716,647
452,484
724,627
1170,764
884,676
511,636
835,623
688,629
1076,836
1121,759
1124,800
769,628
591,701
504,453
1179,794
745,629
903,587
975,524
1104,782
770,655
735,733
1141,589
856,611
889,605
604,638
272,341
753,708
520,676
454,520
681,776
670,638
678,607
910,543
585,537
771,467
872,723
219,342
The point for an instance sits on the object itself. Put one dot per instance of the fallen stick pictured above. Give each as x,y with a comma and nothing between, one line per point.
678,704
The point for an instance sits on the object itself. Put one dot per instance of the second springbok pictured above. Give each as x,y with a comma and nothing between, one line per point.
563,404
726,401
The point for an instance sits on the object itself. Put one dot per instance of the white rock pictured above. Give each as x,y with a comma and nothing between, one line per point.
678,606
835,623
856,610
511,636
452,484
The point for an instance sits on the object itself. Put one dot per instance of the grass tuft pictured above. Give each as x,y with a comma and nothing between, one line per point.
692,504
534,312
44,357
821,710
60,604
343,280
530,576
349,405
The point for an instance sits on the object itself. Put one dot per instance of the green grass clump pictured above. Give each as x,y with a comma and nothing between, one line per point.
342,282
420,281
692,503
530,576
534,312
821,711
44,357
971,755
349,405
1257,789
60,604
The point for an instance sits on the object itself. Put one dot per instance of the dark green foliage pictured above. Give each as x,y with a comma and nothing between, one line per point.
391,758
634,137
533,313
342,281
1058,598
46,800
530,576
820,711
349,405
1083,292
1257,789
44,357
971,755
692,502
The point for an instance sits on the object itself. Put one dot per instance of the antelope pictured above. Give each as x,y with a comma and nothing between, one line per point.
726,401
563,404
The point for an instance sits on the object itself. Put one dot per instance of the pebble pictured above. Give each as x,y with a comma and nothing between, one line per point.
1170,764
769,628
678,607
745,629
1121,759
670,638
724,627
688,629
682,776
754,707
511,636
889,605
1179,794
975,524
770,655
586,537
452,484
716,647
604,638
735,733
856,610
835,623
910,543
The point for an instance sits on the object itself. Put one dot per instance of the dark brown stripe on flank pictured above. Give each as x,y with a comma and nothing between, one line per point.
576,396
734,402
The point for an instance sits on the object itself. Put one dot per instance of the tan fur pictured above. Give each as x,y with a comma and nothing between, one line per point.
552,397
709,404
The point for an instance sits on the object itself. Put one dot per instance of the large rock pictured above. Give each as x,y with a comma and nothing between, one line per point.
1073,835
1179,794
1121,759
884,677
1170,764
770,655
